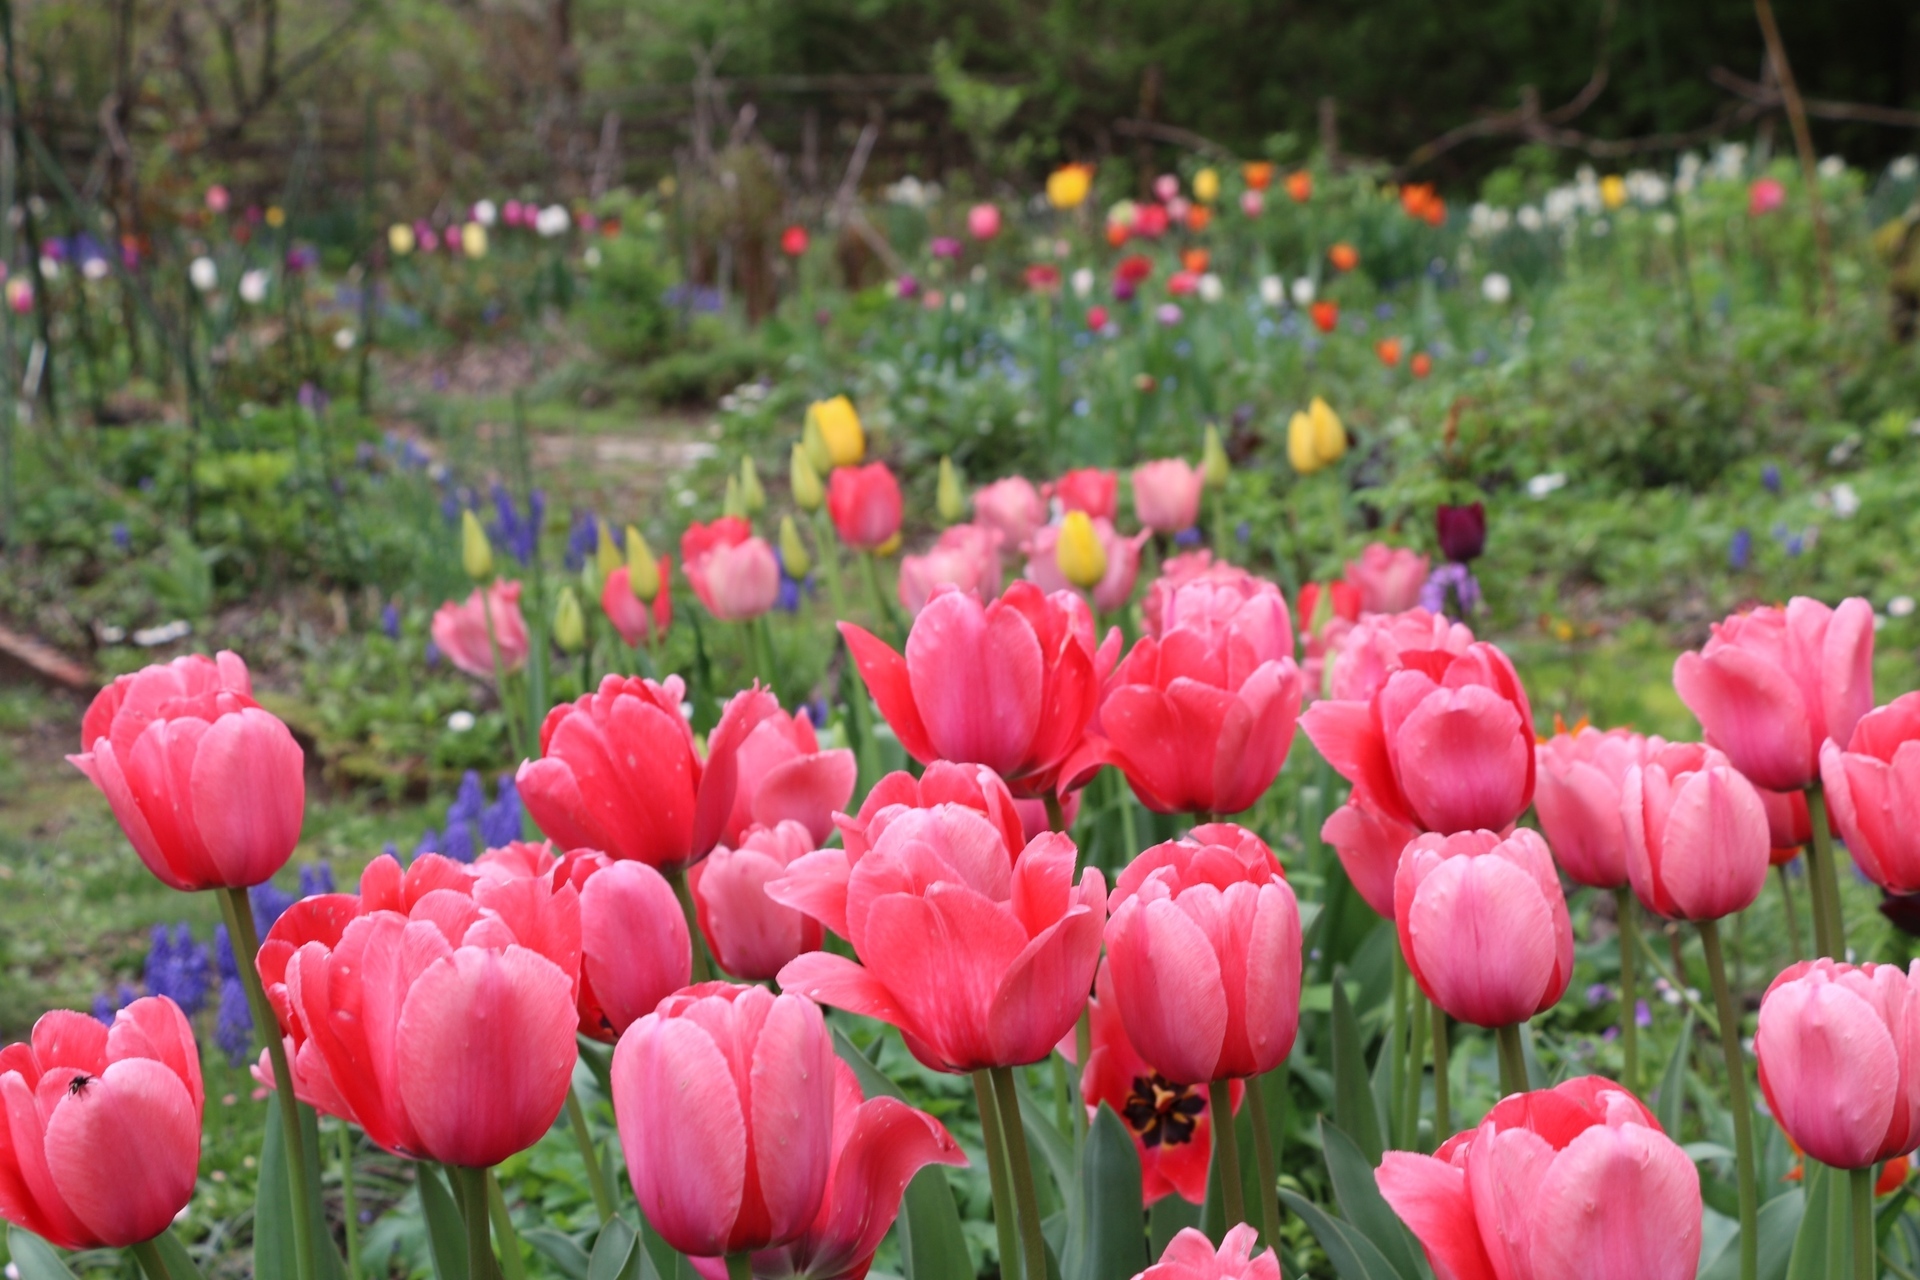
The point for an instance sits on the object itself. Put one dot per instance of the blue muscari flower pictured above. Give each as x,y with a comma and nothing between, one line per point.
1795,545
791,588
177,968
121,537
391,850
223,961
469,800
432,654
1479,355
103,1008
1642,1016
500,821
1186,537
233,1024
1242,531
1770,477
316,878
429,843
583,539
390,621
450,504
270,902
1455,579
1740,552
1384,311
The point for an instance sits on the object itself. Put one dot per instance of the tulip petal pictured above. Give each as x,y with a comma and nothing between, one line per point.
943,956
884,672
721,773
28,1195
1348,736
1483,940
1616,1202
1463,760
1045,988
791,1100
138,1120
807,790
635,949
978,680
1751,709
249,793
1829,1070
889,1142
1431,1197
838,981
1167,984
690,1177
816,885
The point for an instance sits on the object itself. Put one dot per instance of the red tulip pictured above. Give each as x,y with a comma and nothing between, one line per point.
209,789
1013,507
635,950
979,962
1096,318
1171,1124
100,1131
1166,494
1578,800
750,934
1483,924
1697,835
865,505
1446,743
1874,788
1115,588
1325,315
1342,600
460,630
1369,844
967,557
1191,1256
1010,685
733,573
1388,578
618,772
784,775
975,786
1204,942
1772,685
1193,566
699,539
793,241
381,995
1573,1181
1372,651
1201,718
636,620
1093,490
1839,1051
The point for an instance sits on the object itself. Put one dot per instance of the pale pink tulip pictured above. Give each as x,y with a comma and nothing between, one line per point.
460,630
967,557
975,786
1369,844
1191,1256
1371,651
1577,795
1012,506
983,221
1166,494
1388,578
635,950
1193,566
784,775
736,581
1115,588
1697,837
1873,786
750,934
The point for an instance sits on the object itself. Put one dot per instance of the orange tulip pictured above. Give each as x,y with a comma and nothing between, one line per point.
1421,201
1344,256
1117,233
1198,216
1422,365
1195,261
1388,349
1300,186
1325,315
1257,174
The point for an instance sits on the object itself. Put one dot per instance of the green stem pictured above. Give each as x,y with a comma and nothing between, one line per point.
1839,1234
762,650
1005,1219
1082,1052
1442,1085
505,1237
883,608
1020,1166
471,1184
1513,1061
596,1173
1416,1063
1736,1099
1866,1247
702,968
739,1266
500,674
246,948
1056,812
1226,1152
350,1202
1263,1158
1786,909
826,543
151,1260
1629,924
1823,870
1396,1048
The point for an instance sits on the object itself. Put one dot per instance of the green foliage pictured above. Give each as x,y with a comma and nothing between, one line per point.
625,311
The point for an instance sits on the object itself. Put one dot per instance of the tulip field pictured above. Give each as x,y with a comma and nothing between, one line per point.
1268,721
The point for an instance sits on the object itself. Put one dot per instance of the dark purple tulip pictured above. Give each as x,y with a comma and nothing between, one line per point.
1462,530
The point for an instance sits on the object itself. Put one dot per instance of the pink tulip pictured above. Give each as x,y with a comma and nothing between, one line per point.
1010,685
209,789
1204,940
460,630
1166,494
983,221
1371,651
1697,837
1578,799
1839,1051
635,950
1765,195
1193,566
743,1131
975,786
1123,563
618,772
1200,719
1369,844
1789,823
1191,1256
865,505
637,621
1573,1181
1093,490
784,775
750,934
735,581
1483,924
979,962
380,995
1388,578
100,1128
1873,786
1772,685
967,557
1446,743
1012,506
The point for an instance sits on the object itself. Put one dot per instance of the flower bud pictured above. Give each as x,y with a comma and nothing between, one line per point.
949,499
1079,553
793,552
1329,434
606,557
840,431
804,478
1213,456
476,554
1206,186
819,457
643,571
569,623
753,498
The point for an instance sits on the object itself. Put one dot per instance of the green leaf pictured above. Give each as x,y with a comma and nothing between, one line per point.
661,1260
1113,1229
1363,1205
180,1263
446,1229
273,1251
873,1082
559,1248
34,1257
932,1246
1354,1108
1670,1107
1808,1257
1353,1256
1169,1216
616,1254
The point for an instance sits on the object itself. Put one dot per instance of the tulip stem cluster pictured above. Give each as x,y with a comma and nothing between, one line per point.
1736,1099
1264,1158
1020,1167
1786,909
1629,927
511,1264
1866,1248
1004,1226
471,1187
702,968
1226,1150
1442,1086
1829,929
350,1202
1416,1063
1513,1059
596,1173
246,944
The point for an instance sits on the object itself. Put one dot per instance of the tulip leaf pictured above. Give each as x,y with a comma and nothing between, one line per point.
1353,1256
1169,1216
180,1263
1669,1108
659,1260
559,1248
1364,1208
446,1229
35,1258
273,1252
617,1253
1113,1229
1807,1260
873,1082
1354,1107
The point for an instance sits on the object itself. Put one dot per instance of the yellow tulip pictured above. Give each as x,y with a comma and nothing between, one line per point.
752,496
476,553
1329,434
276,216
804,478
1613,191
1213,459
606,556
1067,186
473,240
1079,553
840,430
890,546
1300,451
793,552
400,239
819,457
643,571
569,624
949,500
1206,186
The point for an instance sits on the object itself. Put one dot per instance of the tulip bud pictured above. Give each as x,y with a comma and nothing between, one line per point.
1206,186
1329,434
606,558
643,571
949,500
793,552
569,624
592,580
1079,553
1300,445
732,504
1213,458
840,431
819,457
752,496
804,479
476,554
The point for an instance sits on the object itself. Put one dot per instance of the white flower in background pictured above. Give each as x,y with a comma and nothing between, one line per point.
1563,203
1665,223
1903,168
460,722
1529,218
1645,187
1601,227
1487,220
1832,166
1082,281
1586,189
49,269
1900,607
912,193
204,274
1496,288
1687,175
1730,161
95,269
1303,291
552,221
1846,502
591,257
1542,485
253,286
1273,290
979,273
343,339
486,213
1211,290
957,303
